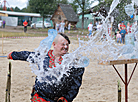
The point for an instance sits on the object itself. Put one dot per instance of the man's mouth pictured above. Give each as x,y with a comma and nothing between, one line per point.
65,50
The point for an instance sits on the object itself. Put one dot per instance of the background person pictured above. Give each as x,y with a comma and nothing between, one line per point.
119,26
123,33
69,26
0,23
122,25
99,26
129,26
62,26
90,27
69,86
118,37
57,26
25,23
4,23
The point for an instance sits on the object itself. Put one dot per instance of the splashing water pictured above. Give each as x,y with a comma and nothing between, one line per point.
129,9
93,49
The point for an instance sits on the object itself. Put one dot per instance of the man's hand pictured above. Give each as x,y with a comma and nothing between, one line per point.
62,99
9,56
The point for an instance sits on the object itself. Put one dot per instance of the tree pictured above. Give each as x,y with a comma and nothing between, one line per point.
44,7
24,10
83,5
17,9
75,7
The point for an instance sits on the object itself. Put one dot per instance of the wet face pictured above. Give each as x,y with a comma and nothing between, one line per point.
61,46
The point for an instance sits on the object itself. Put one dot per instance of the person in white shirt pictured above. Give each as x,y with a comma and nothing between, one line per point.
99,26
119,26
0,23
69,26
62,24
90,27
57,26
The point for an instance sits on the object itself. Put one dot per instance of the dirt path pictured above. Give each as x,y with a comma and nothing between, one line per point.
99,82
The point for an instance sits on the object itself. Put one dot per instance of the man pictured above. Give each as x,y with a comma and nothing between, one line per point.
25,26
90,27
69,86
62,25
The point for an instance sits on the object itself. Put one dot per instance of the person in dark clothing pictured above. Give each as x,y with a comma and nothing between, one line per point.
123,33
4,23
69,85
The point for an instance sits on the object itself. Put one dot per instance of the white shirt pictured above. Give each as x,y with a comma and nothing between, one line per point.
99,27
62,25
90,26
0,23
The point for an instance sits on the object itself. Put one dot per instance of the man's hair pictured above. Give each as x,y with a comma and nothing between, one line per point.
63,35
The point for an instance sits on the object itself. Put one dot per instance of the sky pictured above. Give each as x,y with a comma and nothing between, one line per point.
21,3
13,3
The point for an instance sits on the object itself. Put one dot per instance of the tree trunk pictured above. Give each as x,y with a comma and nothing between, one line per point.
83,20
83,15
43,22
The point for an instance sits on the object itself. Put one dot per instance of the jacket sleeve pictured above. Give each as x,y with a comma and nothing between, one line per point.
72,83
23,55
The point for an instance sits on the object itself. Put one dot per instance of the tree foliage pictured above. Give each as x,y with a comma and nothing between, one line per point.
75,7
17,9
82,5
44,7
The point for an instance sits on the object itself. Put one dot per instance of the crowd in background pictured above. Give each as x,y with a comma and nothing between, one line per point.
60,27
98,26
123,30
120,33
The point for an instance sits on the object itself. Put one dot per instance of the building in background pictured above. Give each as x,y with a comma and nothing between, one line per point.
65,12
20,16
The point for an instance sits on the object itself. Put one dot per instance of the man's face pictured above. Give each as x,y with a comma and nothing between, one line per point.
123,27
61,47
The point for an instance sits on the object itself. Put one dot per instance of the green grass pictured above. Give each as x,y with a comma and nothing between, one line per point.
19,34
42,32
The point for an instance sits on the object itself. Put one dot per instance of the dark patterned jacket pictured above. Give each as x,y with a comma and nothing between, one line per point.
67,88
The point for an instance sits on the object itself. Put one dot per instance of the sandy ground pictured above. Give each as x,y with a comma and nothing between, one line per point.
99,82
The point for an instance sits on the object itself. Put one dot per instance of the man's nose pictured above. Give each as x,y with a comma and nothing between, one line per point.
65,46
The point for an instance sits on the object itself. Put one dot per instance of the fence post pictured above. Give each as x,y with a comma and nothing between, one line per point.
8,86
2,43
119,91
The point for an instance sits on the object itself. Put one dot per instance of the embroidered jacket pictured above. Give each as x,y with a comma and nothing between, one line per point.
69,86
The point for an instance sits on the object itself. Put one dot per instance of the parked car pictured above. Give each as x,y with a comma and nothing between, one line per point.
39,24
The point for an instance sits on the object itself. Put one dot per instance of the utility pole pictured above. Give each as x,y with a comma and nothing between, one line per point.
4,8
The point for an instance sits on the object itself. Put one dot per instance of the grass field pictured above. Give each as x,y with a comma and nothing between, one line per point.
17,32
